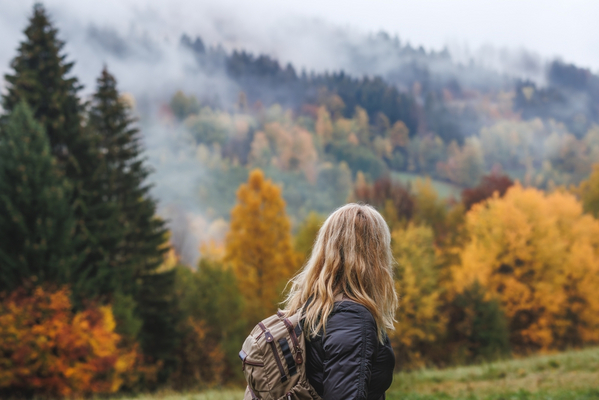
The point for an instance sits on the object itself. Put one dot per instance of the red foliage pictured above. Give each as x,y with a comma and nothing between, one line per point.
384,190
488,185
48,350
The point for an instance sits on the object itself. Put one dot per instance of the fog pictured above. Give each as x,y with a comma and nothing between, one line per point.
139,40
309,34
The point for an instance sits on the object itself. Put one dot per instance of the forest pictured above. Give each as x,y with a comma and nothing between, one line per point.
126,223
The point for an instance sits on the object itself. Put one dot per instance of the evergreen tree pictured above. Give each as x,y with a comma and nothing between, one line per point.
478,326
41,79
36,220
141,249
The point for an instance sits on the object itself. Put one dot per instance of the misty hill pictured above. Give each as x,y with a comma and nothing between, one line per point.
392,110
395,78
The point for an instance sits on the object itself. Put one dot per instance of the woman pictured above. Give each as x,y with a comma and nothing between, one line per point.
348,297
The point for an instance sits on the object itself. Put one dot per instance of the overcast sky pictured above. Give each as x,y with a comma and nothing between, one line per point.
549,28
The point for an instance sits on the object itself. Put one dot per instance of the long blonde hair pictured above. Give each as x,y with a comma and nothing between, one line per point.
351,257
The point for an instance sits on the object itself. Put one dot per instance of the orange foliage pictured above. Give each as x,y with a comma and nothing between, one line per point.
539,254
201,358
46,349
259,246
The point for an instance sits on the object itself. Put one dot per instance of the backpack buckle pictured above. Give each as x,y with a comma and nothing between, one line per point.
268,336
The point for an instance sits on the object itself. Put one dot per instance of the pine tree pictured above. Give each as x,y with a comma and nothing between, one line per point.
41,79
36,220
141,249
258,246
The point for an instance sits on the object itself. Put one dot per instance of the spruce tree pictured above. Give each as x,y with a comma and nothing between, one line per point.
41,78
36,219
142,248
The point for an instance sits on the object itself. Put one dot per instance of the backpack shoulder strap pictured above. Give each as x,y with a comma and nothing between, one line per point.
294,332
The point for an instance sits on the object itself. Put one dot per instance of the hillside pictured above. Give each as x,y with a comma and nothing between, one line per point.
568,375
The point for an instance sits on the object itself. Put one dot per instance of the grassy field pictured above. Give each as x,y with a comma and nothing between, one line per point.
444,189
568,375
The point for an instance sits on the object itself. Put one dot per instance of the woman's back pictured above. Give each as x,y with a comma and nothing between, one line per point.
348,352
348,361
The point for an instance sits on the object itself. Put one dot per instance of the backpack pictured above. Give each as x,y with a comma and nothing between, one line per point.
273,358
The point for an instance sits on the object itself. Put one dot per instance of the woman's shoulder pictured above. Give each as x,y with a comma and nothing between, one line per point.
347,314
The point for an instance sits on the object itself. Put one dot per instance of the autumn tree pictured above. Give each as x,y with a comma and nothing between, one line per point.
465,164
391,198
537,253
488,185
47,350
324,126
306,235
212,324
418,323
430,209
589,192
258,246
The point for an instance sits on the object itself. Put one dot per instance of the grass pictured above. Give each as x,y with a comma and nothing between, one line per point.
568,375
444,189
561,376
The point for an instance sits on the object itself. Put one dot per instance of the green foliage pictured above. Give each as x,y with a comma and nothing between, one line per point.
478,326
139,253
41,79
157,307
128,323
36,219
209,127
358,158
210,294
183,106
589,193
306,234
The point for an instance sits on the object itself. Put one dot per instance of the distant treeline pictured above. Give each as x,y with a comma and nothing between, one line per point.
431,104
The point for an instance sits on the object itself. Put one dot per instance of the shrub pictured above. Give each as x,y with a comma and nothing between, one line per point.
48,350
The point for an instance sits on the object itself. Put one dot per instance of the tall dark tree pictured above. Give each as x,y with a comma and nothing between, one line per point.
36,218
142,247
41,78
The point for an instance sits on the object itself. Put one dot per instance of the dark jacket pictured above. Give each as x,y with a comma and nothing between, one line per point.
348,362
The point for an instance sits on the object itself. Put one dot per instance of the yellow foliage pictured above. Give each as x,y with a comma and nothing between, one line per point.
294,148
399,134
418,322
47,350
258,246
589,192
539,254
324,126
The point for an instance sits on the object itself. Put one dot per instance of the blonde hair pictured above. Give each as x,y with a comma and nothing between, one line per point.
351,257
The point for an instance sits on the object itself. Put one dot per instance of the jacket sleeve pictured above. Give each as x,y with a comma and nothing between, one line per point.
349,344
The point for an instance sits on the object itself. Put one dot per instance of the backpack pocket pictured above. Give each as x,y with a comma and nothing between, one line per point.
254,373
301,391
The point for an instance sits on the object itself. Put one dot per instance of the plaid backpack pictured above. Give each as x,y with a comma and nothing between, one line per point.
273,360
